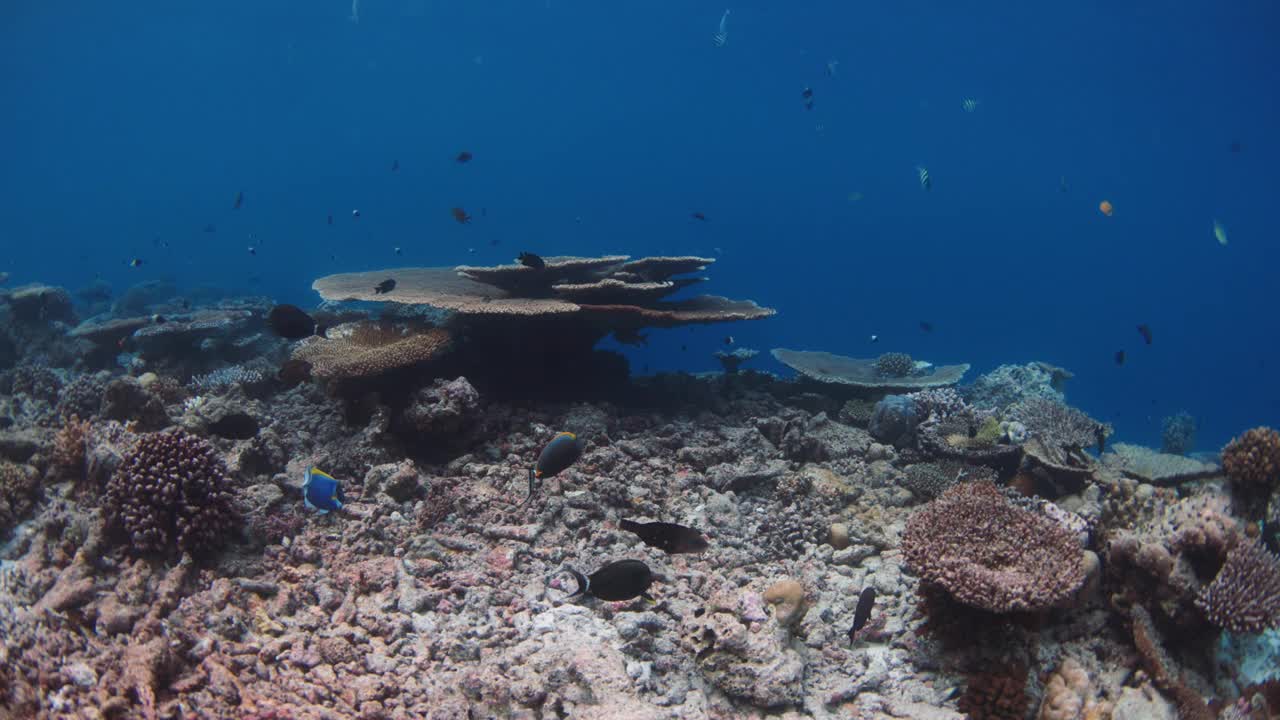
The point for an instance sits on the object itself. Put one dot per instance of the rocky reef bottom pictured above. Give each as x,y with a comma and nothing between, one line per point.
159,562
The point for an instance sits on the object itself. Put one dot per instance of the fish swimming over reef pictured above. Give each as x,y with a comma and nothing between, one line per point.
923,174
807,95
530,260
1145,331
291,322
239,200
563,450
970,104
321,492
621,580
668,537
1119,357
460,215
464,157
862,613
384,287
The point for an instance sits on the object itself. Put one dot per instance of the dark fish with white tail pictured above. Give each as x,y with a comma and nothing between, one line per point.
617,581
668,537
563,450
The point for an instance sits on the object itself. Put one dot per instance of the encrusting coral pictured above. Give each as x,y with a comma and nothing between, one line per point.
171,494
990,554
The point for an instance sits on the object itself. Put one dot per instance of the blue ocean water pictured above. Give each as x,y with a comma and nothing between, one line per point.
600,127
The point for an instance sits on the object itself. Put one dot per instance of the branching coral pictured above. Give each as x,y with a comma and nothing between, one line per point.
1245,596
68,457
171,494
1059,425
895,364
990,554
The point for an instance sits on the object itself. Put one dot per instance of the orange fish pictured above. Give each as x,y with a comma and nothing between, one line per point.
460,215
1106,207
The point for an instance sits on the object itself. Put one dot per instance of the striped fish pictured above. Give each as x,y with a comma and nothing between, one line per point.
969,104
722,35
925,182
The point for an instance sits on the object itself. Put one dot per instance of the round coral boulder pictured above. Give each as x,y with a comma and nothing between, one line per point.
1253,459
171,494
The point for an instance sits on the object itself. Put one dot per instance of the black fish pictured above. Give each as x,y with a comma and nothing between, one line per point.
862,613
1119,357
1236,146
926,326
331,219
136,262
668,537
291,322
1145,331
384,287
698,216
563,450
239,200
621,580
728,339
464,157
528,259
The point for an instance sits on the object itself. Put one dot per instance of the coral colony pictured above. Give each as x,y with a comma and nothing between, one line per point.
435,496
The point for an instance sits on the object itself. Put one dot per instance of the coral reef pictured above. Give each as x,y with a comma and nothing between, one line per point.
364,349
894,365
989,554
864,374
1252,462
171,494
1008,385
1245,596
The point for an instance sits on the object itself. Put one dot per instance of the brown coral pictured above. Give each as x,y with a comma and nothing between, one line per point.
1245,596
1252,461
171,494
359,350
996,696
68,457
990,554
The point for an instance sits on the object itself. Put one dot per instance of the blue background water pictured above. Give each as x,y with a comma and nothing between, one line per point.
599,127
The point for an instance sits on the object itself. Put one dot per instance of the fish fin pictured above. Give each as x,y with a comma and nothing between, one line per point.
530,495
629,525
584,583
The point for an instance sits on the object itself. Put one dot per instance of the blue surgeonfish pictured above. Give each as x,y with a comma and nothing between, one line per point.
321,492
563,451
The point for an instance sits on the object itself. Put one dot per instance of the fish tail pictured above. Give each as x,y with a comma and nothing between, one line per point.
583,581
629,525
530,495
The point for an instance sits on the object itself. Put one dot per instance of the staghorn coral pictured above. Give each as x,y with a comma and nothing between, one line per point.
1059,426
363,349
1245,595
171,494
990,554
894,365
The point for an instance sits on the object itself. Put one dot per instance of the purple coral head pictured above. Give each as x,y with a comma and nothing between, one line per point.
170,494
